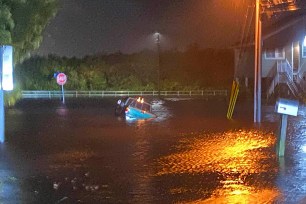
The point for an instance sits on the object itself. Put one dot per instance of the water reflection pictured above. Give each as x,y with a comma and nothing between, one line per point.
91,156
62,110
292,174
242,194
136,120
10,187
236,156
239,151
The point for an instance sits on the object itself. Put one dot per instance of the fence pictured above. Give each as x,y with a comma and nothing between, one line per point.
77,94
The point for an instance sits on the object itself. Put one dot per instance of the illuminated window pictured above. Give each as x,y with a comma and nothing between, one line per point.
275,54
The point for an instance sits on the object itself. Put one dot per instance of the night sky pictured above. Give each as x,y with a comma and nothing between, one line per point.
85,27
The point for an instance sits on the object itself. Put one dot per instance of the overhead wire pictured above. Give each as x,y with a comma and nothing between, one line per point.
245,37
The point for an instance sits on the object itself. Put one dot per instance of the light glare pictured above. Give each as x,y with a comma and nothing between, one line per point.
304,148
7,67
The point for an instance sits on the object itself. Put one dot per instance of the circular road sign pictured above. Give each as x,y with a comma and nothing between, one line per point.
61,78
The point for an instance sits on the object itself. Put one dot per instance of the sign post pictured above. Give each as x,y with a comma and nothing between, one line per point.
285,107
2,117
6,82
61,79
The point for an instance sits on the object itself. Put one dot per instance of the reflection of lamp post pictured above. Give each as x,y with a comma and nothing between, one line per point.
158,69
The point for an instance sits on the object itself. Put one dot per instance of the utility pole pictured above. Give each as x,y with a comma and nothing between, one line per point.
158,69
269,8
6,82
257,76
2,110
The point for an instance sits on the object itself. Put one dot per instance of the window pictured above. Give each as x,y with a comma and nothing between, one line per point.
275,54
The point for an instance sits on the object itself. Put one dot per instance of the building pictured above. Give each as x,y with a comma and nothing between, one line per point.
283,58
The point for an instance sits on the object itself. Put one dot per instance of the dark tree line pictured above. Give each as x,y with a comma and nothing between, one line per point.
192,69
22,23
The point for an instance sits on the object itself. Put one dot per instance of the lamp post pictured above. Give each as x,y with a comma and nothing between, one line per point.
157,35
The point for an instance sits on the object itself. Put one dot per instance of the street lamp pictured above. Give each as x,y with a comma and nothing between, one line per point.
157,41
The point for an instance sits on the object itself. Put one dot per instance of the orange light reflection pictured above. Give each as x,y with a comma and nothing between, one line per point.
224,152
234,154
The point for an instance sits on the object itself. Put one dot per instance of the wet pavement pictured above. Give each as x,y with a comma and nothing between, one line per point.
81,153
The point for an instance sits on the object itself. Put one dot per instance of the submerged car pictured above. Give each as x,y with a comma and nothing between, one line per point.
135,108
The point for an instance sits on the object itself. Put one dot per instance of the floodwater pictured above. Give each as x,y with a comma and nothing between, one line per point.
81,153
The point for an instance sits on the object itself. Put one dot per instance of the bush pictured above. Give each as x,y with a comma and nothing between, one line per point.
11,97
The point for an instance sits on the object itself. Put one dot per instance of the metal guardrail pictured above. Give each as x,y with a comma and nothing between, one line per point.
79,94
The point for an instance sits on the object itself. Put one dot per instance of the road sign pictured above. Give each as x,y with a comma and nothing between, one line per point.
6,67
61,78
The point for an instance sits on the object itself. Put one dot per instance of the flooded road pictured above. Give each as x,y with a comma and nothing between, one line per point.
81,153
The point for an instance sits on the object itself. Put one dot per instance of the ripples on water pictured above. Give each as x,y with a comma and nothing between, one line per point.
235,156
146,162
243,164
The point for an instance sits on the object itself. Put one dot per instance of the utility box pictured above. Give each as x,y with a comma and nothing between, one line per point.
287,107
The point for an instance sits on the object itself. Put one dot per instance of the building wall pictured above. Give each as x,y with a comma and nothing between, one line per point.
268,64
244,67
303,60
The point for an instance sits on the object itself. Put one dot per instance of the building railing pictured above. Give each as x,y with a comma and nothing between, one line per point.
77,94
281,73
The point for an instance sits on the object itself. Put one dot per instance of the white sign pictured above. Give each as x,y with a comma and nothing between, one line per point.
288,107
6,59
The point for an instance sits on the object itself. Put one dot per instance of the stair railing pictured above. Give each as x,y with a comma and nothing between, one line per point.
300,80
285,67
283,74
275,80
288,71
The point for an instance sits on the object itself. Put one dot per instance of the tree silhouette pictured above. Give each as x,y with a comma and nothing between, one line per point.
22,23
